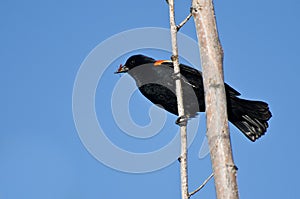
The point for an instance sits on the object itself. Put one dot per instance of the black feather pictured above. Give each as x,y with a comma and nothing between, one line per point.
157,84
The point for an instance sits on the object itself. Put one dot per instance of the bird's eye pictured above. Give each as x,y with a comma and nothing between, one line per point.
132,62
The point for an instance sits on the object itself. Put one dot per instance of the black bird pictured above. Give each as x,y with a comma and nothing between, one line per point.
155,80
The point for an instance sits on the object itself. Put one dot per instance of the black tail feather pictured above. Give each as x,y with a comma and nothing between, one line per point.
251,117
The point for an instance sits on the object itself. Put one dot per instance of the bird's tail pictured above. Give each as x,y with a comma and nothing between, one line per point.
251,117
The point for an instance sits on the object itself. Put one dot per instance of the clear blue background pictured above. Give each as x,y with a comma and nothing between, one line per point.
43,44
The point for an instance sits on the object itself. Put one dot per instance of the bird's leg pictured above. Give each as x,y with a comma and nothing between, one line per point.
176,76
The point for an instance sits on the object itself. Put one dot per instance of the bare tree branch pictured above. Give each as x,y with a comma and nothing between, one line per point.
218,136
202,185
182,121
184,21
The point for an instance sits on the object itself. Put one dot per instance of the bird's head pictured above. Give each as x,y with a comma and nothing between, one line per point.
134,61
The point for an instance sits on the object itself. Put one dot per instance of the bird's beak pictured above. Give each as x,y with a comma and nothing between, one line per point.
122,69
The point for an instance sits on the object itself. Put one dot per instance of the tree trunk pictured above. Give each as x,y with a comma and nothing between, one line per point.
218,136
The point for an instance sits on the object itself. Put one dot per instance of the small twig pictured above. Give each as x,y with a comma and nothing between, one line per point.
181,112
184,21
202,185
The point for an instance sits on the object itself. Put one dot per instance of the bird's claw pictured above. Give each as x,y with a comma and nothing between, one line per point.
176,76
179,159
182,120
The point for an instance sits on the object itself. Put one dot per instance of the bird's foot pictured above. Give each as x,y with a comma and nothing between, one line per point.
182,120
179,159
176,76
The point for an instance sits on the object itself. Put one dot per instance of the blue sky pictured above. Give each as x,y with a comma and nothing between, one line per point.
43,45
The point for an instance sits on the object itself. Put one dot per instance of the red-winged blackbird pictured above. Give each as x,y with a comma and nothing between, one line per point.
155,80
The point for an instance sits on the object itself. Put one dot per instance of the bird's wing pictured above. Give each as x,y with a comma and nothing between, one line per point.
194,76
